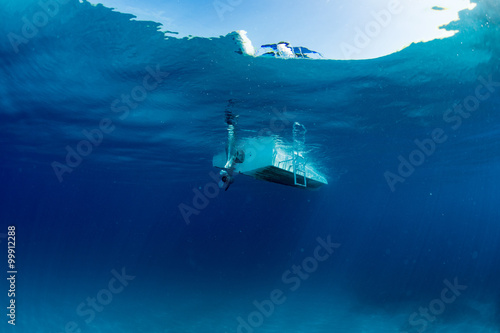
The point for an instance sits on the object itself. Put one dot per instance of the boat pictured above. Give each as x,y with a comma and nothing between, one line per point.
265,160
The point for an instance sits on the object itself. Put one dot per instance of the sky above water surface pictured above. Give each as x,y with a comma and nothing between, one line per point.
358,29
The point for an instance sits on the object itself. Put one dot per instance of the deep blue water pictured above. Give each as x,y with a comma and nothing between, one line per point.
81,223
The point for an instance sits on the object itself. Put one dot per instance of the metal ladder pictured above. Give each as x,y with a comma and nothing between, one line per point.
299,162
299,170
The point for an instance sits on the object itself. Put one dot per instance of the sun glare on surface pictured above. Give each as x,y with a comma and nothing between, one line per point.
412,22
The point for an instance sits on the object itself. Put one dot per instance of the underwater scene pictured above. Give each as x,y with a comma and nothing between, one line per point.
157,182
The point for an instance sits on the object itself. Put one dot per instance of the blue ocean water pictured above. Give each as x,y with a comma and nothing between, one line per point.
108,129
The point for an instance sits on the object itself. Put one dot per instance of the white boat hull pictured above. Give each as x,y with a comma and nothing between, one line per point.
266,162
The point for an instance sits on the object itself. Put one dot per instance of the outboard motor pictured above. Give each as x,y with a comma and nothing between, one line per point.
226,180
